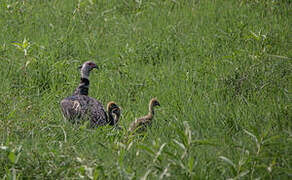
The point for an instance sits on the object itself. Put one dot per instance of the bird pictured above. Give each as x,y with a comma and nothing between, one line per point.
141,124
80,106
114,113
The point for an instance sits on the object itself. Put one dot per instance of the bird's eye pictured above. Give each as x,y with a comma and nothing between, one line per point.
91,64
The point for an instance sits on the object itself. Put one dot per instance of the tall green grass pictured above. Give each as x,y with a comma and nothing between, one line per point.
220,69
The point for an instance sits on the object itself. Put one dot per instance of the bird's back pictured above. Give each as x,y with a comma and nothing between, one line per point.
84,107
141,124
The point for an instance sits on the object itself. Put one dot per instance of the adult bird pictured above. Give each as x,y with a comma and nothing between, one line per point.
80,106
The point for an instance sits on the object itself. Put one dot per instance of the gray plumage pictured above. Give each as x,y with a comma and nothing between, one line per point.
80,106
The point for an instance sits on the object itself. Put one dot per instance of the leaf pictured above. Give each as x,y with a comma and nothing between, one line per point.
254,35
11,113
228,161
18,45
84,126
272,138
25,52
147,149
25,43
96,174
11,157
255,139
79,159
27,63
82,170
146,175
180,144
243,173
183,137
191,164
159,152
172,155
204,142
188,132
164,173
3,147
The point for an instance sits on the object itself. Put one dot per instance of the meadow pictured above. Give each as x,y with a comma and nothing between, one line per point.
221,70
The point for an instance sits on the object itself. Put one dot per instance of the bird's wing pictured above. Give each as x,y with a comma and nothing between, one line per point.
97,113
71,108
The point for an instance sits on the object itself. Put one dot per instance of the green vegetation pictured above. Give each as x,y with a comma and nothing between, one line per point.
220,69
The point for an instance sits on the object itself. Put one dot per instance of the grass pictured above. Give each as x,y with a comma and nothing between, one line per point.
220,69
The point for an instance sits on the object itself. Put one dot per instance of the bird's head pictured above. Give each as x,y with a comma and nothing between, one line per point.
154,102
111,106
86,68
114,110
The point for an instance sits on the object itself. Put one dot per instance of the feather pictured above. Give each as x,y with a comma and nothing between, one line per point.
80,106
